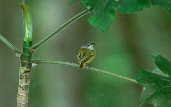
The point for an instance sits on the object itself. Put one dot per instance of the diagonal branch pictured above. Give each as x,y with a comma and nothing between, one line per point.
70,21
9,44
39,61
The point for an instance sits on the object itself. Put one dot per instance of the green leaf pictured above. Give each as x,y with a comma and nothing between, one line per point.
103,14
131,6
155,80
104,10
160,97
163,64
89,3
157,89
163,3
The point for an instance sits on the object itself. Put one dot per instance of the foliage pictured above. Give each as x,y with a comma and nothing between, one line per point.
166,4
157,85
103,12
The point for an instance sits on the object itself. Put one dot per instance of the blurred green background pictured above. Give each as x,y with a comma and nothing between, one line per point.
124,49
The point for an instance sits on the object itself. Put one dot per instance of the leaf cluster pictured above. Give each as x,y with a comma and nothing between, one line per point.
103,12
157,84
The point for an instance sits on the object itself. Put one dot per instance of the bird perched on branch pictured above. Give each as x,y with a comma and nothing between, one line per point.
86,54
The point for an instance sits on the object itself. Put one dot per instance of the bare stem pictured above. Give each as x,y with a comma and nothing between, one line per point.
70,21
38,61
23,87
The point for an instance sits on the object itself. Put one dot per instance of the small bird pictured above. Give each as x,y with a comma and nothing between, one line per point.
86,54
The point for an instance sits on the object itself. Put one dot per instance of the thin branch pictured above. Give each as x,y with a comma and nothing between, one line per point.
70,21
38,61
9,44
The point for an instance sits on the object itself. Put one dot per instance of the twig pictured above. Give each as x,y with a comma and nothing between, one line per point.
39,61
9,44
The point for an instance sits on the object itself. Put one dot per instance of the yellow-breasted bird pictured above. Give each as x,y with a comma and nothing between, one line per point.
86,54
